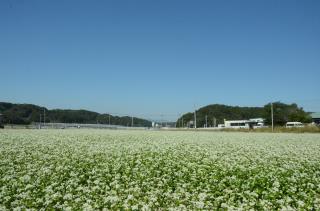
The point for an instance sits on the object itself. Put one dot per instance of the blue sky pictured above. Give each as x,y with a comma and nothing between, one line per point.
148,58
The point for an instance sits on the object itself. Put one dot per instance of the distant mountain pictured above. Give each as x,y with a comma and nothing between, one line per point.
218,112
28,113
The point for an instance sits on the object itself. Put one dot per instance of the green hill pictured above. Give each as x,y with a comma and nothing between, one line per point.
28,113
282,114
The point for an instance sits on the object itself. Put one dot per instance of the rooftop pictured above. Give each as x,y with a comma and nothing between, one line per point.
315,115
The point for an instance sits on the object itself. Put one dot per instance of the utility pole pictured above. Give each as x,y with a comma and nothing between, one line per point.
182,122
206,121
132,121
44,117
214,122
161,120
272,116
195,119
40,122
109,119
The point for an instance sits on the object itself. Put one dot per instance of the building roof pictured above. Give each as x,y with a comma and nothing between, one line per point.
315,115
236,121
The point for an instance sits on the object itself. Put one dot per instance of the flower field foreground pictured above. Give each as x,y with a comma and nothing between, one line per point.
143,170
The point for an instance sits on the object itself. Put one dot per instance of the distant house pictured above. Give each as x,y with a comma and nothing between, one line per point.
316,118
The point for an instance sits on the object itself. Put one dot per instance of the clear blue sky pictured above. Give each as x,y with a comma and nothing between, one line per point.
149,58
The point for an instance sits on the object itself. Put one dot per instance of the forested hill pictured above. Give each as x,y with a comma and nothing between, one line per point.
282,114
28,113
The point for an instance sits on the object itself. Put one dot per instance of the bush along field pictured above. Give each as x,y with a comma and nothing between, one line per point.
143,170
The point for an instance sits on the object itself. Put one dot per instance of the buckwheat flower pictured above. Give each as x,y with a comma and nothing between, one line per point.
202,196
14,209
224,205
130,197
68,196
287,208
200,204
67,208
145,207
87,207
135,207
28,186
300,203
26,178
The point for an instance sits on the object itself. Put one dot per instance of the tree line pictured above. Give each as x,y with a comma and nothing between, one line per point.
29,113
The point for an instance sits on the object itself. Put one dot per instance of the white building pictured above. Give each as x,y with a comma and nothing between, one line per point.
247,124
237,124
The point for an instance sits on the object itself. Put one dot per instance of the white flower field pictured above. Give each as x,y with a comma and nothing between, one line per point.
146,170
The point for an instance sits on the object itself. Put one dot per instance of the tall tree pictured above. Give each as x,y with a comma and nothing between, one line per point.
283,113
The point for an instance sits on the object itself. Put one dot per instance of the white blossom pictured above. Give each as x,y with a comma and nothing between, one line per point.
153,170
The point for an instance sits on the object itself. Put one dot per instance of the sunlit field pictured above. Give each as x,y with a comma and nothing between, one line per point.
142,170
